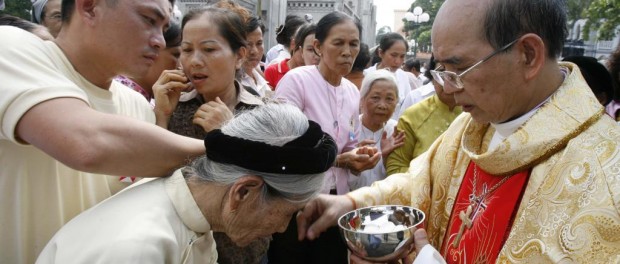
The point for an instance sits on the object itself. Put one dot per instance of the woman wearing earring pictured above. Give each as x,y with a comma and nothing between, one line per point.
327,98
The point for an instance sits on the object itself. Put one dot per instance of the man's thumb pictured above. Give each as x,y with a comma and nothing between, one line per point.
420,239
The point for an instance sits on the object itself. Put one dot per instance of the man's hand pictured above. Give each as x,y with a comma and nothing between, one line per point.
321,213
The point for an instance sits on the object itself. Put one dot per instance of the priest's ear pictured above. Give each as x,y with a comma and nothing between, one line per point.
533,54
246,190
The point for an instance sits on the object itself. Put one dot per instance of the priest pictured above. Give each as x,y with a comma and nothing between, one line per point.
531,172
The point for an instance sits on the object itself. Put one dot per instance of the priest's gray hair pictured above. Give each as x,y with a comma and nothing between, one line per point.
275,124
378,75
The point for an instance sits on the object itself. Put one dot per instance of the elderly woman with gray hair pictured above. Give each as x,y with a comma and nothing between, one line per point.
259,169
47,13
379,98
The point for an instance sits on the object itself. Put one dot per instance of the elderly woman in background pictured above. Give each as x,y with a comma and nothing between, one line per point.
379,98
259,170
47,13
326,97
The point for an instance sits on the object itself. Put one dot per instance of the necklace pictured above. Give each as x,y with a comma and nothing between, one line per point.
476,203
333,110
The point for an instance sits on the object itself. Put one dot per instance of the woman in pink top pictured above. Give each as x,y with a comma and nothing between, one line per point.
332,101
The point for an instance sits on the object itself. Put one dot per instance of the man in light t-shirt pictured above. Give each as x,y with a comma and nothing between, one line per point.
64,122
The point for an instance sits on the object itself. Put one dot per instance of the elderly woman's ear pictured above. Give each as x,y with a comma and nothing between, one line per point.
247,188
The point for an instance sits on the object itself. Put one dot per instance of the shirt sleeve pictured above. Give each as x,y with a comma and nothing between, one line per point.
28,77
290,89
398,161
269,75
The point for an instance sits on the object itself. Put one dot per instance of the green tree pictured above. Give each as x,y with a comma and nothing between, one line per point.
576,9
18,8
604,16
421,32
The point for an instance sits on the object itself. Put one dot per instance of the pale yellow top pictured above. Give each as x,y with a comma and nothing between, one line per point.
570,210
153,221
37,193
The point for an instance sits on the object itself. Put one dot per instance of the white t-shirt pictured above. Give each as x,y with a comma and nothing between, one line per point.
417,96
37,193
261,86
367,177
164,226
273,53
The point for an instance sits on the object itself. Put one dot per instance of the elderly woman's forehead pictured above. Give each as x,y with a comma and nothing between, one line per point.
383,82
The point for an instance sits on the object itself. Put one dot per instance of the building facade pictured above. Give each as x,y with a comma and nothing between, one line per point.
274,12
599,49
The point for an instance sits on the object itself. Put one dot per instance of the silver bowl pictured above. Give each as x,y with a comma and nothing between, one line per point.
380,233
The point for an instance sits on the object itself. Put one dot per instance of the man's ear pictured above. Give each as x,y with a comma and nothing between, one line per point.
86,9
533,54
241,57
245,189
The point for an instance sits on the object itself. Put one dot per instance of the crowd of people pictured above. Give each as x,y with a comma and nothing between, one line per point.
183,141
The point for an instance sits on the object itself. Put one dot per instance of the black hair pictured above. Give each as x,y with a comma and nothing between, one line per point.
596,75
253,23
613,64
431,66
375,58
362,58
389,39
412,64
302,33
507,20
332,19
9,20
173,35
230,25
285,33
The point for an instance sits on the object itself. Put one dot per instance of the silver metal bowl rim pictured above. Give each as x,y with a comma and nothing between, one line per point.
376,206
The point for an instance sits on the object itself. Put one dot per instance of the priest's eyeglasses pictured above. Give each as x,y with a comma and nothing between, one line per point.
456,79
